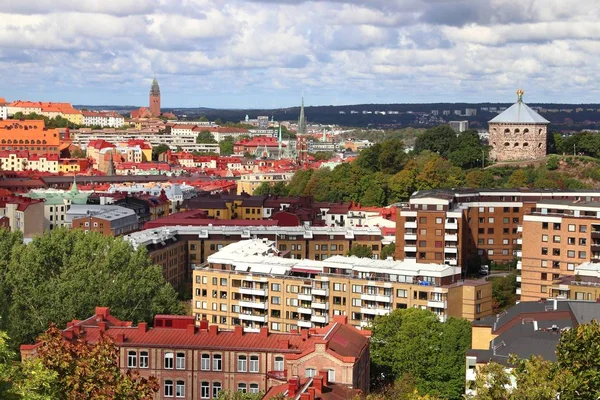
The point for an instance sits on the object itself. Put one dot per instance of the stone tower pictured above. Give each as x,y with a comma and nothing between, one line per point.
519,133
155,99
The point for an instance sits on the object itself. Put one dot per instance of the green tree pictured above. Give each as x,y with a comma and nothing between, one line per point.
7,357
64,274
438,140
226,146
403,184
504,290
578,354
203,119
361,251
78,153
205,137
415,342
467,150
278,189
158,150
392,156
230,395
323,155
299,181
389,250
518,179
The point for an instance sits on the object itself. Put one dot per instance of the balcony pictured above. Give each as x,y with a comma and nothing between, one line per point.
262,305
410,224
375,297
375,311
519,264
452,250
255,318
410,236
518,291
320,319
518,278
520,241
320,306
410,249
320,292
451,261
595,234
304,324
437,304
471,374
279,375
451,225
451,238
254,292
304,297
519,253
303,310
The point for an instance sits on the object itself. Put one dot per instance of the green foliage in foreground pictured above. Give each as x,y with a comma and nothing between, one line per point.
64,274
414,343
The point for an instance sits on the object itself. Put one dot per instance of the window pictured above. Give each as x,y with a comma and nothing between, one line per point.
310,372
180,389
583,228
180,361
571,253
169,364
276,287
143,359
131,359
582,241
544,276
216,389
543,289
356,302
205,390
168,389
438,232
423,232
544,263
556,252
423,220
571,240
275,300
544,225
572,228
582,254
491,220
223,282
505,220
205,364
356,289
544,238
481,209
217,362
242,387
438,220
278,363
556,226
478,308
331,375
490,241
490,252
422,243
242,363
253,363
556,239
402,293
544,251
491,209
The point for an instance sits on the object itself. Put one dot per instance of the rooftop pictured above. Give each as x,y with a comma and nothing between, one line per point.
519,113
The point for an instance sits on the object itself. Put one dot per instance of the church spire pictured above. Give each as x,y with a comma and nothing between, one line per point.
302,120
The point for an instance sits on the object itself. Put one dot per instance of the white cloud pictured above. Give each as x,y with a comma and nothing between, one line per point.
267,51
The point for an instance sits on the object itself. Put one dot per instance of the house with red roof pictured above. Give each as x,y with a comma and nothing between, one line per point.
193,359
23,214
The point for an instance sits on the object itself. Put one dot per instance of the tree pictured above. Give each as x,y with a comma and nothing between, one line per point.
438,140
78,153
90,370
392,156
227,395
504,290
415,342
158,150
203,119
205,137
388,251
360,251
578,354
404,388
467,150
518,179
323,155
64,274
226,146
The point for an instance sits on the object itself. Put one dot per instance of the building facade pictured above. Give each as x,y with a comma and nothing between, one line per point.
198,362
23,214
155,99
248,283
519,133
31,136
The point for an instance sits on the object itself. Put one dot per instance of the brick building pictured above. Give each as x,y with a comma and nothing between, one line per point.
198,362
30,135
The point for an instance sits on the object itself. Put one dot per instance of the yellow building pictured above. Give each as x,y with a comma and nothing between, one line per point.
247,283
23,161
69,165
249,182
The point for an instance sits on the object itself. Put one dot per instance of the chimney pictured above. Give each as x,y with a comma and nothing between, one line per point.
264,332
293,386
304,334
318,383
143,327
341,319
305,396
102,312
102,326
191,329
213,330
239,330
203,324
311,392
324,373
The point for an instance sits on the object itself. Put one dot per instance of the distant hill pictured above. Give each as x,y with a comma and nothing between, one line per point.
563,117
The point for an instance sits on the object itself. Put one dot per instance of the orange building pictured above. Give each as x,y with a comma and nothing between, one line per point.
32,136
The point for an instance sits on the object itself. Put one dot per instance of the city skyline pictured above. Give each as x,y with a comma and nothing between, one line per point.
265,54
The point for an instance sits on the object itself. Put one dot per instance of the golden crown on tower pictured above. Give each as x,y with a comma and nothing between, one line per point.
520,94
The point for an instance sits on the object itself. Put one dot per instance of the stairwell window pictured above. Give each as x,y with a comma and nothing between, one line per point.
131,359
310,372
253,363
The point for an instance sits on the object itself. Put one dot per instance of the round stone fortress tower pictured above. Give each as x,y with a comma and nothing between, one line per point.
518,133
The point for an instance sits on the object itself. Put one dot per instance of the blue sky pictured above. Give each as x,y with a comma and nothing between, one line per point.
251,54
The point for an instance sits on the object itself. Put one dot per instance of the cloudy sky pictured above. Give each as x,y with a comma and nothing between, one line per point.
266,53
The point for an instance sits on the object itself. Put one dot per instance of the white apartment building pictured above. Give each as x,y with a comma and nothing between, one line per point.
103,119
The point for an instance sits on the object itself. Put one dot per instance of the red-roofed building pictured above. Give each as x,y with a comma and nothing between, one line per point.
258,144
30,135
23,214
3,109
199,361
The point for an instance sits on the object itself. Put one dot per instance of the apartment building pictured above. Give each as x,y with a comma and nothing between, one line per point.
470,227
558,235
198,362
248,283
107,219
23,214
249,182
583,284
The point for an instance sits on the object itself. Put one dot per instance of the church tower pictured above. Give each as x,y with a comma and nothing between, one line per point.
155,99
302,120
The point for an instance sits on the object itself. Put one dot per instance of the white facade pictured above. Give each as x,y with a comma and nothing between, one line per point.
109,120
3,111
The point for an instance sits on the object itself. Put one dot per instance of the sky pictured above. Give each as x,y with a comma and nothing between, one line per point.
268,53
